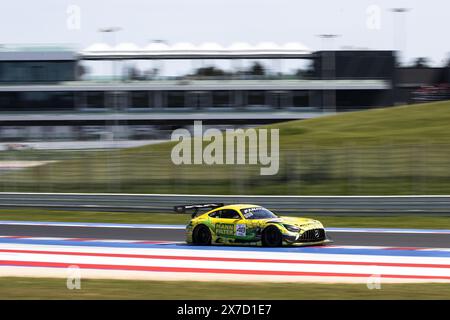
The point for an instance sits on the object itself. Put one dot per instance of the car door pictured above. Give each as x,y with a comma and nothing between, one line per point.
229,224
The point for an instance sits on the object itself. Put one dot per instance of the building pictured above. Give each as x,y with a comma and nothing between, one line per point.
42,94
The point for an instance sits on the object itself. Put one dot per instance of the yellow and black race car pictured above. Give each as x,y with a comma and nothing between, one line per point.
247,224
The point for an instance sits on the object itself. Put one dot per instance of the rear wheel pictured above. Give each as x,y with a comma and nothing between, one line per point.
271,237
201,235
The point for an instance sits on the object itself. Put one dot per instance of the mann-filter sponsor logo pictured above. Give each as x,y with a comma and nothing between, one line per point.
224,229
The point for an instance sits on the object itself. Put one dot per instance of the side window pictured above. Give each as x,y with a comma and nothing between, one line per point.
229,214
215,214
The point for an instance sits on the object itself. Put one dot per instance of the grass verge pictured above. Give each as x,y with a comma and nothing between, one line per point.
397,150
43,288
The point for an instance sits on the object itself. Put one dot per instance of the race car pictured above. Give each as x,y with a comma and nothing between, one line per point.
248,224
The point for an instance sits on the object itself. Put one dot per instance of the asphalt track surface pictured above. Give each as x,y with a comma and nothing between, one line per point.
428,240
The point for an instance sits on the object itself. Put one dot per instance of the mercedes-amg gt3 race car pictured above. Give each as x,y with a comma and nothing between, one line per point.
247,224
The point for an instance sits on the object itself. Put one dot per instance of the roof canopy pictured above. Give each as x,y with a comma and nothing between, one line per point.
41,52
186,50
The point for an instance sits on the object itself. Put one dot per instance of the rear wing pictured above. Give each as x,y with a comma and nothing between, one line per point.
196,207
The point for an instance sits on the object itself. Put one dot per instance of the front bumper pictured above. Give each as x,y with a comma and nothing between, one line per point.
308,237
307,244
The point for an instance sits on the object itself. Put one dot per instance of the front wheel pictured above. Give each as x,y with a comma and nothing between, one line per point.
271,237
201,235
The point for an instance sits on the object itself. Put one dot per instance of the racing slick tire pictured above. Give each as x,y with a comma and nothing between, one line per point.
271,237
201,235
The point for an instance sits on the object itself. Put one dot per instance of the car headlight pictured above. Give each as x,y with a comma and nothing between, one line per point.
291,228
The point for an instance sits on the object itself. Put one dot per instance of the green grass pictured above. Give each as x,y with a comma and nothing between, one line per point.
41,288
398,150
88,216
413,221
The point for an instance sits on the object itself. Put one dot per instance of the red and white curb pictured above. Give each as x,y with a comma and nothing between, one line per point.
159,263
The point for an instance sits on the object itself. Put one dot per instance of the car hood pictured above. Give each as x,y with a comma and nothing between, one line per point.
299,222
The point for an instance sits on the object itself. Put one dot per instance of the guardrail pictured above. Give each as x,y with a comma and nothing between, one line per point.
295,205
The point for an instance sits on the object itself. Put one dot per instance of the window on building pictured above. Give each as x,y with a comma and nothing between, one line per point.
175,99
140,99
256,98
95,99
221,99
300,99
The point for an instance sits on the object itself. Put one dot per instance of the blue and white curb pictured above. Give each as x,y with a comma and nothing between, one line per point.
182,227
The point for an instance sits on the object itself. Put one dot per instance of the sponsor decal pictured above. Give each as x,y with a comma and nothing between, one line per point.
241,230
249,210
224,229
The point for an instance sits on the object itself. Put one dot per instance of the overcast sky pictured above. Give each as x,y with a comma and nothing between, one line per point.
360,23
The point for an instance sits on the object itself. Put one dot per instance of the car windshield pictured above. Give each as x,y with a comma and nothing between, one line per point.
257,213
